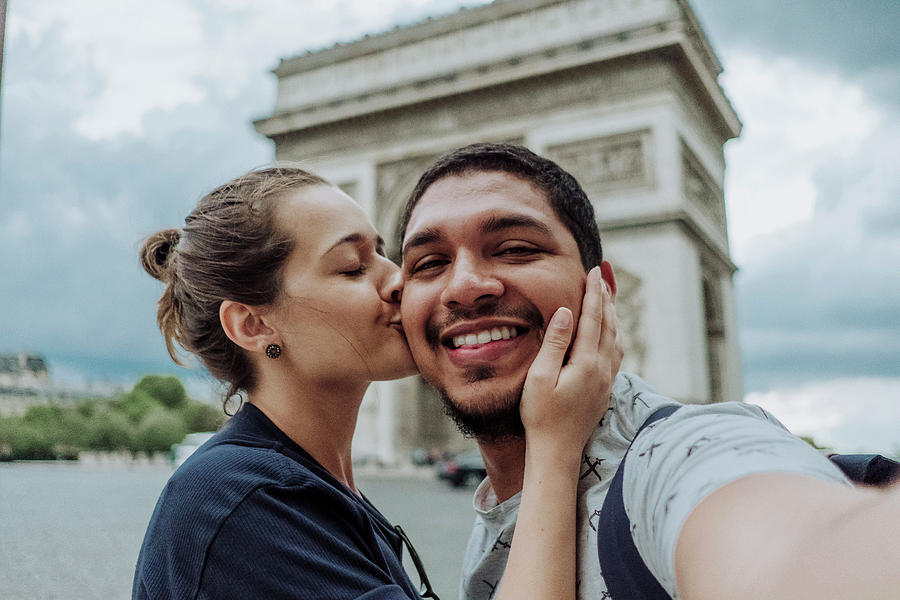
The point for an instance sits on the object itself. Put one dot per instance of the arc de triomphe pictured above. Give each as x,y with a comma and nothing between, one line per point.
622,93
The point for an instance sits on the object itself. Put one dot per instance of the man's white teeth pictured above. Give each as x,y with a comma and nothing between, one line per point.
483,337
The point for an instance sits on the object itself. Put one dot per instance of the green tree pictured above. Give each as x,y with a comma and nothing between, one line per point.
8,428
86,407
158,431
63,428
198,416
110,430
809,440
165,389
32,443
136,405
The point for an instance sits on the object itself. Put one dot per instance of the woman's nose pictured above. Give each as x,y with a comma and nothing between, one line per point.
393,287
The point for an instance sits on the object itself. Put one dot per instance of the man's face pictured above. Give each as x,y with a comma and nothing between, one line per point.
486,263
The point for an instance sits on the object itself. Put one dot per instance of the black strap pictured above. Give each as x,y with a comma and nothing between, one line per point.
868,469
624,571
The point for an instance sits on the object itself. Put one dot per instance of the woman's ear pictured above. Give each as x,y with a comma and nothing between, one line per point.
245,326
606,271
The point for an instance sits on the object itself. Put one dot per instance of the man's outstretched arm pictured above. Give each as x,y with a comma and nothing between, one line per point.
793,537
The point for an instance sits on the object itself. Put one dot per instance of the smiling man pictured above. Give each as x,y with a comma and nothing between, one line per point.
495,239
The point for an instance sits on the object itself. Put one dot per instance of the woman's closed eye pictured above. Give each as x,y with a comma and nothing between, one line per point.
355,271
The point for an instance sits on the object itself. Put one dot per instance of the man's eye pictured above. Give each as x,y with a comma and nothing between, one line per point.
518,250
427,264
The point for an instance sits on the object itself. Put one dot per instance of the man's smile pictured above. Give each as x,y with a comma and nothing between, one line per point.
484,336
484,341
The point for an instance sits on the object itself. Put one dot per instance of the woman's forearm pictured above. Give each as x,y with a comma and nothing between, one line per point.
541,561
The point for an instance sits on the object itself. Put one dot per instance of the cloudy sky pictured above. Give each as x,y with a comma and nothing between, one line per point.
118,115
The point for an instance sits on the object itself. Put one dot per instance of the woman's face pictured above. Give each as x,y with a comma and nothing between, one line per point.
339,312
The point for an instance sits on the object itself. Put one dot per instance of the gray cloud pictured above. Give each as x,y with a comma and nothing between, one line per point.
821,299
857,40
75,210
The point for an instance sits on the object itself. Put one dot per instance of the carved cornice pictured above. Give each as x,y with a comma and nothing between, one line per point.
527,39
714,249
409,34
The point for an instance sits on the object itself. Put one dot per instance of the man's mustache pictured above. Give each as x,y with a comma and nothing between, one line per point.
526,312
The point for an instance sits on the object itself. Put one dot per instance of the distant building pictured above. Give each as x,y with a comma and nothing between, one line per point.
25,374
625,95
24,382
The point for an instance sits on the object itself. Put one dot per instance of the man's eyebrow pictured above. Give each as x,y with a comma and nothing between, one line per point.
495,224
426,236
490,225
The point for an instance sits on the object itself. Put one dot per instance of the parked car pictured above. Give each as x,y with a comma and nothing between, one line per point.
466,469
180,452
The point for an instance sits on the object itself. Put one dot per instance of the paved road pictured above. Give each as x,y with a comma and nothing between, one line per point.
72,531
436,517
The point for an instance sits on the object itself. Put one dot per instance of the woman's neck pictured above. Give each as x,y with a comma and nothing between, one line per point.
319,417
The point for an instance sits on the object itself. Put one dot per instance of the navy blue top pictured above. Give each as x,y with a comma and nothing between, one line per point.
251,515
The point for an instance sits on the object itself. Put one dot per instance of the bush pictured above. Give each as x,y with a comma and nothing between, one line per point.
167,390
158,431
198,416
32,443
45,415
8,428
110,431
136,405
86,408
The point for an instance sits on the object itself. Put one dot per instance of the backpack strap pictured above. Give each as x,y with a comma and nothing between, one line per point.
868,469
623,569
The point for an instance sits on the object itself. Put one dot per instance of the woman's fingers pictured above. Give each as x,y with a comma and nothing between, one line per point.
548,362
591,322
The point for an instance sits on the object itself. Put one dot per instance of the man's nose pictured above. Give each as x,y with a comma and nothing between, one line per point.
470,281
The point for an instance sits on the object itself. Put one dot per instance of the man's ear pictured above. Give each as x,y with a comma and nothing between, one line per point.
606,271
245,326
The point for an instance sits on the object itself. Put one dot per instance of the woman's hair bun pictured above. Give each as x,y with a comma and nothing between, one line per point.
157,253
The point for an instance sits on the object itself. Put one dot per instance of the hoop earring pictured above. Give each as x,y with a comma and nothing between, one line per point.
273,350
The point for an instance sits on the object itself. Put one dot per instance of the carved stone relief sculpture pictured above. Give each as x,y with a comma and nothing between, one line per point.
629,310
606,164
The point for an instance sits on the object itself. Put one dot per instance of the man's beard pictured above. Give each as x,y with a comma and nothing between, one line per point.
497,415
500,421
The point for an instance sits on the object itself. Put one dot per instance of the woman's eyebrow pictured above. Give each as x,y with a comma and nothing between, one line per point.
356,239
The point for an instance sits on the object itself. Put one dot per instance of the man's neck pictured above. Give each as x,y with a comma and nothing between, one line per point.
504,461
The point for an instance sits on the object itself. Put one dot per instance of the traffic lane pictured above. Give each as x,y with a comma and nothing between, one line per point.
436,517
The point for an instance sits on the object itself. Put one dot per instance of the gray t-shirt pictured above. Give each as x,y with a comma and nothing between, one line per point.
675,464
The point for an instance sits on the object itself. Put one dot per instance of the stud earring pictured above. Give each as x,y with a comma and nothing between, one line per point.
273,350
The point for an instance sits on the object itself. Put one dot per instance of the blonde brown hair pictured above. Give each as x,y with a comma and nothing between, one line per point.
230,248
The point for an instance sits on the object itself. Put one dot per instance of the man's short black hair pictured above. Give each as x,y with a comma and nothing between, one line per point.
565,195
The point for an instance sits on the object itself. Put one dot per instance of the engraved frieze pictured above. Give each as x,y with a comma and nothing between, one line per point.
606,163
496,40
700,189
629,310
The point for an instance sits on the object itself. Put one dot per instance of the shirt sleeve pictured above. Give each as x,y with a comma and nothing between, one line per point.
677,462
300,542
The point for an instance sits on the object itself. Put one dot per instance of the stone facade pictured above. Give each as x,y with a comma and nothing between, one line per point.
622,94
